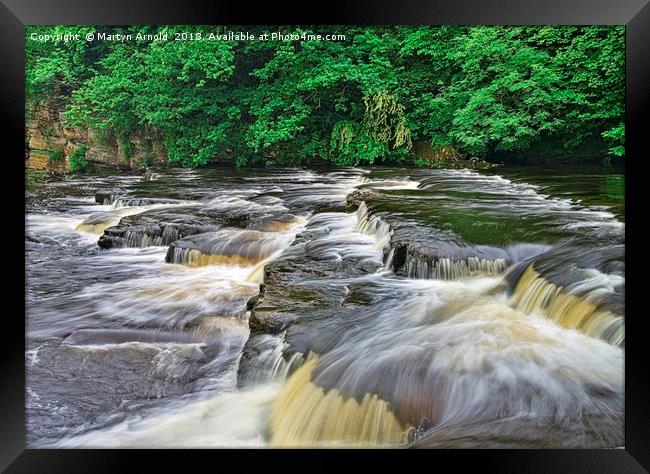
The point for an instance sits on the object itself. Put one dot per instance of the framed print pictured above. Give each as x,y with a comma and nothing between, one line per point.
379,230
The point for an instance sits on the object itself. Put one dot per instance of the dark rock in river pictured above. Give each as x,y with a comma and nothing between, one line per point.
80,381
271,321
164,226
107,198
305,292
155,227
357,196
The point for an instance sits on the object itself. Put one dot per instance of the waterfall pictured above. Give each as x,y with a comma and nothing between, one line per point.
482,335
388,266
97,228
374,225
305,415
106,199
452,359
122,201
142,239
534,294
145,238
450,269
97,223
150,176
227,247
436,268
129,202
194,258
269,363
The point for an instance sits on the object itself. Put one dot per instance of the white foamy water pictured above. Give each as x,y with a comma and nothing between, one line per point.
235,419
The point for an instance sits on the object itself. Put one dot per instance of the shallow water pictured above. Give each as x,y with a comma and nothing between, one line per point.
454,308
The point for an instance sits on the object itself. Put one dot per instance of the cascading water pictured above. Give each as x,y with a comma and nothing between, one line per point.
373,225
584,304
449,309
243,247
448,269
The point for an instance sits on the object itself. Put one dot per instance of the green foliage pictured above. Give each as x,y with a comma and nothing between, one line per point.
77,161
48,131
384,120
34,177
55,155
54,69
352,144
103,137
482,90
616,137
126,146
147,148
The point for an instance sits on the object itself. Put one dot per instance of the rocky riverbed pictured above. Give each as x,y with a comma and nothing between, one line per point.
424,308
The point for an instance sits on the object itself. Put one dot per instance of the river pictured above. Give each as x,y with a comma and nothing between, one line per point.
351,307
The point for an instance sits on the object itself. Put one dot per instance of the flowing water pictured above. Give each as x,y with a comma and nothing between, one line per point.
438,308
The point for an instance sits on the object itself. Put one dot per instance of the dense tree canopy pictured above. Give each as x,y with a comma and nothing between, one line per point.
481,91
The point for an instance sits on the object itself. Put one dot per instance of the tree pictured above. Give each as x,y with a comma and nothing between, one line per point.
477,90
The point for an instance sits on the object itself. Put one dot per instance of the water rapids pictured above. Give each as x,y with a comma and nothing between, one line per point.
296,308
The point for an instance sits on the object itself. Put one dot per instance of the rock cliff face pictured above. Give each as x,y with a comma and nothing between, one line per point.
49,142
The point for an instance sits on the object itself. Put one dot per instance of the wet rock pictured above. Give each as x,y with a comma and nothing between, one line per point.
165,226
589,431
330,207
250,304
271,321
156,227
118,336
280,301
356,296
420,251
300,293
107,198
78,382
359,195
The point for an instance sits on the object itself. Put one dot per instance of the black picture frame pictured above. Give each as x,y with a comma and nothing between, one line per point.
16,14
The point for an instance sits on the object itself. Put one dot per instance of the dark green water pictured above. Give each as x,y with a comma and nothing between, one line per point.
511,204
